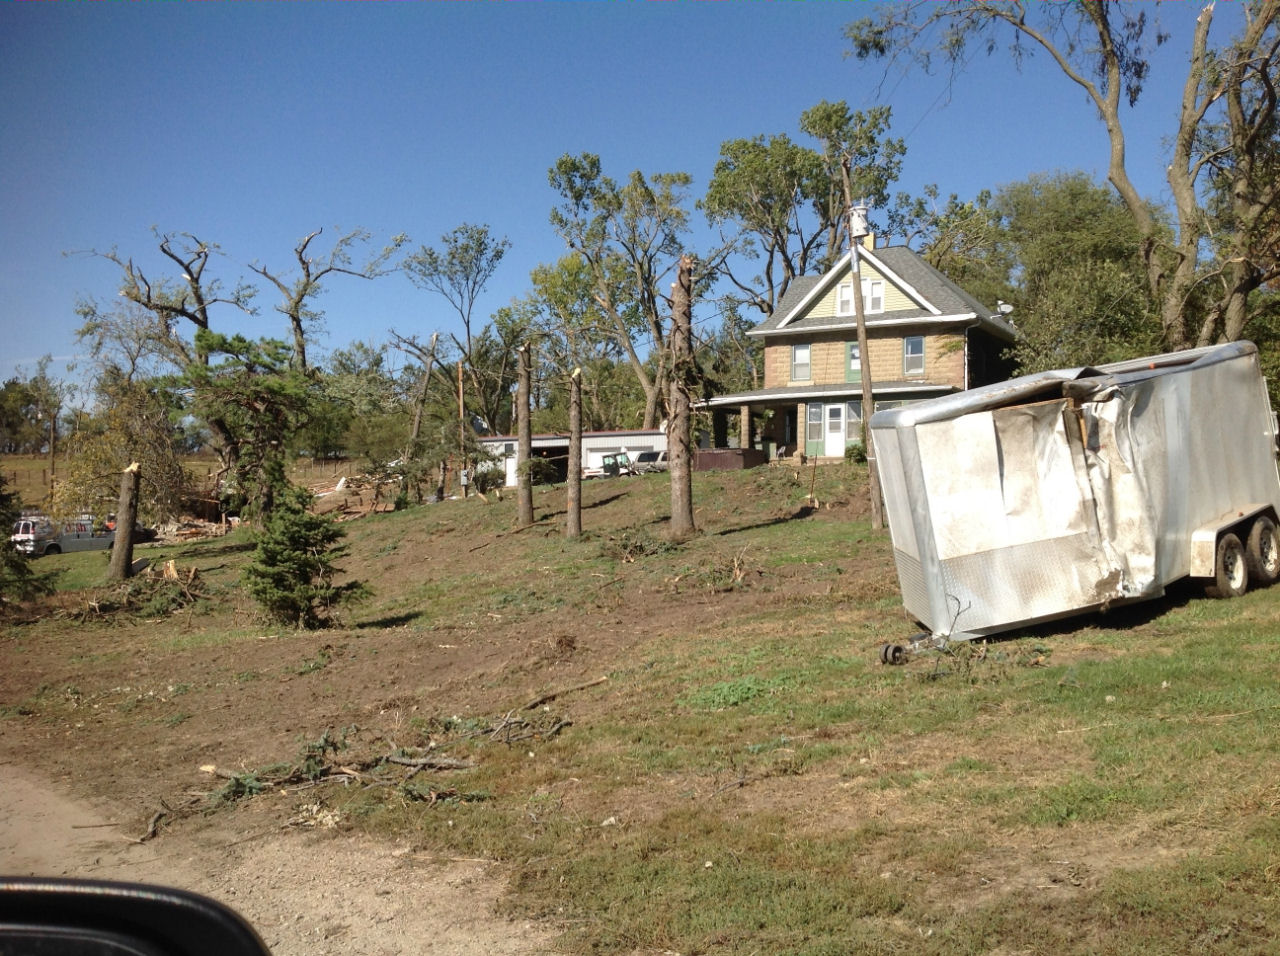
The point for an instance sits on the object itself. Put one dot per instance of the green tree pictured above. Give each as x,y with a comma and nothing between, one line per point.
1222,142
1078,287
264,399
17,580
294,565
132,421
961,239
860,140
459,270
630,238
769,189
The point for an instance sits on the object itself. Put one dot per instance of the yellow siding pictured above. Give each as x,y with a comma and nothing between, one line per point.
894,298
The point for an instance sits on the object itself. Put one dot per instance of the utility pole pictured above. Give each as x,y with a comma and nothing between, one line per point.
857,229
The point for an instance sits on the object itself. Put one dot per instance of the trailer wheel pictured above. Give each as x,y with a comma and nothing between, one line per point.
53,549
893,654
1262,553
1230,569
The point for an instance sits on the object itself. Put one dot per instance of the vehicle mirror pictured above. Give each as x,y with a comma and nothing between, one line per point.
55,917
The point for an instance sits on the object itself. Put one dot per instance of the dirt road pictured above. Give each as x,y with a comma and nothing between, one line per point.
311,891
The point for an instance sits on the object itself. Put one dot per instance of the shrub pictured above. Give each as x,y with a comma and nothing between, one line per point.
856,454
293,568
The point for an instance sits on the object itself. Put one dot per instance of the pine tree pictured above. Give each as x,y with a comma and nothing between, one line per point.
17,580
293,567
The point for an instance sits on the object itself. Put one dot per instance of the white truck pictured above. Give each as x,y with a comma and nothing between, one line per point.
1080,489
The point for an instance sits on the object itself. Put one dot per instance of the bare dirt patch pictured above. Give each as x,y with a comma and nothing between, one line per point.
314,892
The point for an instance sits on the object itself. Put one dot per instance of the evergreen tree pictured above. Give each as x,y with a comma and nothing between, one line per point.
293,568
17,580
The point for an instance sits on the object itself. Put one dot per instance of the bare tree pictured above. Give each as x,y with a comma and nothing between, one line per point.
187,299
298,292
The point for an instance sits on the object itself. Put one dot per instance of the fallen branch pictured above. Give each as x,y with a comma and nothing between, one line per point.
432,763
547,698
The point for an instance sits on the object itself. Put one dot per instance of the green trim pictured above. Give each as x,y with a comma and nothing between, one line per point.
849,374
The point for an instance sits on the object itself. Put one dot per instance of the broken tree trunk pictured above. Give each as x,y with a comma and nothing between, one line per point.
121,565
573,483
679,422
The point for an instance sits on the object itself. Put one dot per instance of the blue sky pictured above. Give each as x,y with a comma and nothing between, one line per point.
251,125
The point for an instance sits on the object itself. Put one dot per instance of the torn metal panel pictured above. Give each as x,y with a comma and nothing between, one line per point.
1069,490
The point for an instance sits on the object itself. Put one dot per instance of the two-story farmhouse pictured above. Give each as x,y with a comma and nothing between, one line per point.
925,337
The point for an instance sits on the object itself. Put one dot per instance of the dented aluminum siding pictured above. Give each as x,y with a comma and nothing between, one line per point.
1069,490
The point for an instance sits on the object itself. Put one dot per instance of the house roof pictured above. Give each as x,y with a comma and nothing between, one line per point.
935,298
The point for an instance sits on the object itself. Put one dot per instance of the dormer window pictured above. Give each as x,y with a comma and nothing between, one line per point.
872,297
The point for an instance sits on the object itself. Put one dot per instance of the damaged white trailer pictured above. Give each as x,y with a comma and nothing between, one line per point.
1074,490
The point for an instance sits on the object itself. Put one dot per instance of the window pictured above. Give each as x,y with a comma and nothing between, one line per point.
913,355
853,422
854,371
872,297
844,299
801,370
813,423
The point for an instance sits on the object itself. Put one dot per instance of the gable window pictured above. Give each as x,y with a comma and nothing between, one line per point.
853,373
801,369
913,355
872,297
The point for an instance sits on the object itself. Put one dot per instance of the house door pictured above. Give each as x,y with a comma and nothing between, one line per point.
834,445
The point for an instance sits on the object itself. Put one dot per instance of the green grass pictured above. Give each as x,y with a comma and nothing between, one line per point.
752,780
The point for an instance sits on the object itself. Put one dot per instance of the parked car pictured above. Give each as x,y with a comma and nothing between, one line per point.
648,461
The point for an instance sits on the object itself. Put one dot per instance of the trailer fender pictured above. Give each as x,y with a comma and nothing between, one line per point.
1204,540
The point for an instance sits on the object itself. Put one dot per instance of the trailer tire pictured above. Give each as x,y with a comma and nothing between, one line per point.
893,654
1262,552
1230,569
53,549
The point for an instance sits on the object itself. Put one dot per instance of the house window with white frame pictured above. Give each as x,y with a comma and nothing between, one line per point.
853,422
801,368
855,363
813,422
913,355
872,297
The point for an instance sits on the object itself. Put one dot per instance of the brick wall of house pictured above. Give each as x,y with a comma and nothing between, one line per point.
943,360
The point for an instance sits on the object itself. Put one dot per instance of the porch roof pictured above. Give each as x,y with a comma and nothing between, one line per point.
849,391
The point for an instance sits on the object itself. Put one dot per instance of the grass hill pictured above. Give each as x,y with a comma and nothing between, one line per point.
694,748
